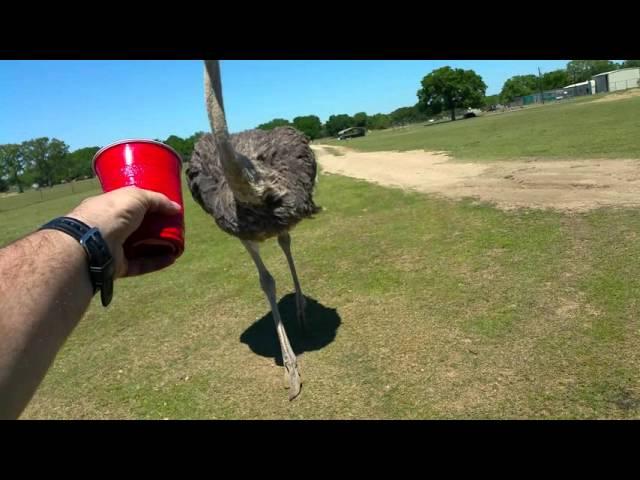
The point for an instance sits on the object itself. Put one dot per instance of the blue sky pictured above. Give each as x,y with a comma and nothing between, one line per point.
87,103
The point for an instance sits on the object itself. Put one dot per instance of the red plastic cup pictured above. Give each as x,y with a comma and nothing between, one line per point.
153,166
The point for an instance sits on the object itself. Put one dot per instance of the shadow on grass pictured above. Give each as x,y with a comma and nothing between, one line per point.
322,327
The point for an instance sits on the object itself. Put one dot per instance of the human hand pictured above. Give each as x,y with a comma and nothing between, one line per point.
119,213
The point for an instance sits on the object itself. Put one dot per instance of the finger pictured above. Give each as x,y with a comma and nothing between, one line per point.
141,266
159,203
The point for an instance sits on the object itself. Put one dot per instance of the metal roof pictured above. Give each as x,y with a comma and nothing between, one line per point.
578,84
618,70
347,129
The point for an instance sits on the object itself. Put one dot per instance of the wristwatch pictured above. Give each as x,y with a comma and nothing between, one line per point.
101,265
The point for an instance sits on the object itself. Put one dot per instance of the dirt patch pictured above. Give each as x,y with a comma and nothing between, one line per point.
574,185
634,92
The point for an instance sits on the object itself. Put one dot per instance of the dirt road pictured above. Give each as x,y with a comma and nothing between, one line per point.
578,185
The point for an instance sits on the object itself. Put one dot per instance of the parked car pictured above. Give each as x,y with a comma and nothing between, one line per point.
472,112
352,133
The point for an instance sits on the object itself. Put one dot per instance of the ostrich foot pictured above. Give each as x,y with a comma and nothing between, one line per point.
292,379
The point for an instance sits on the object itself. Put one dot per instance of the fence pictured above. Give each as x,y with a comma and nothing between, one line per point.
31,197
547,96
574,91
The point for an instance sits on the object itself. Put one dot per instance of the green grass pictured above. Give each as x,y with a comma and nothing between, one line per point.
30,197
445,310
580,129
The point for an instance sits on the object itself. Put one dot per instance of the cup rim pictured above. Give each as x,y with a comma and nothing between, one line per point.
132,140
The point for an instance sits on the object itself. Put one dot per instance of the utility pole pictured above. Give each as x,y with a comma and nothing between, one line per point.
540,84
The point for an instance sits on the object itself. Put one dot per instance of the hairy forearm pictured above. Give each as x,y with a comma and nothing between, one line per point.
44,291
45,286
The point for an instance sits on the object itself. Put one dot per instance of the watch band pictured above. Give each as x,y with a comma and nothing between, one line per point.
101,266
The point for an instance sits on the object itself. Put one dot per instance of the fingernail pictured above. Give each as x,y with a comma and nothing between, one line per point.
176,205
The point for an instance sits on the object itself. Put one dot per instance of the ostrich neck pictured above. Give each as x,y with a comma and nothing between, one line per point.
241,173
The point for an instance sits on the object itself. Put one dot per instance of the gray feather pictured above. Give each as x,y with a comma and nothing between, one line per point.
287,167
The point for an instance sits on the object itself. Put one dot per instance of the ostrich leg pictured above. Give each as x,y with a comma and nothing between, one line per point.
284,240
268,284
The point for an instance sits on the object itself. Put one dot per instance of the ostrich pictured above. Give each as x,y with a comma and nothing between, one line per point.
257,185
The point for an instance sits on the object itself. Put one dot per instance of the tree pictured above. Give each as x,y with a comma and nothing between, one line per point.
323,132
310,125
360,119
583,70
404,115
184,146
336,123
47,159
519,86
450,88
276,122
190,144
379,121
13,165
179,145
4,185
630,64
79,162
555,79
491,100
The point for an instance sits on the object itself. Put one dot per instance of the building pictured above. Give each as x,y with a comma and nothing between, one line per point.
580,89
617,80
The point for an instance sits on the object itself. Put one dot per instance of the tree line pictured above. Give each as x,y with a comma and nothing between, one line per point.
443,90
576,71
447,89
311,125
42,161
49,161
45,162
